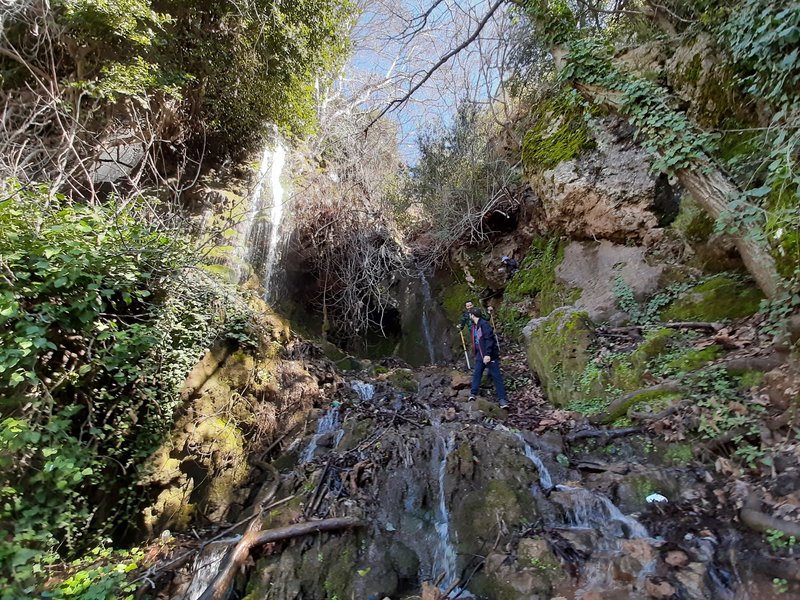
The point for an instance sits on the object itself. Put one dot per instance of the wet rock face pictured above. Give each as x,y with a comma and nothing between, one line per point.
607,194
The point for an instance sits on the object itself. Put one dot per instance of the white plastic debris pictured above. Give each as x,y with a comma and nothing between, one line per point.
656,497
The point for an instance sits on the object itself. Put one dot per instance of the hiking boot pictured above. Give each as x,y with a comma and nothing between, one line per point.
472,399
503,403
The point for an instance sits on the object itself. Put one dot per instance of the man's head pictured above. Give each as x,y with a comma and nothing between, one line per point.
468,305
475,314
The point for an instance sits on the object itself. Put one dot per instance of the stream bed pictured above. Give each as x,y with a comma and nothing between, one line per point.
446,493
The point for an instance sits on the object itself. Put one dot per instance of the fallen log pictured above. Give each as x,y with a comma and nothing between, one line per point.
620,406
606,434
237,556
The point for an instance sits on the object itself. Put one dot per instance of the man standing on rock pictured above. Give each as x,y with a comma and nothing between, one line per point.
486,356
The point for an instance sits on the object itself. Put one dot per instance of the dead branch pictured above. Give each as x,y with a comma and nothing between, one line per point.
402,100
237,556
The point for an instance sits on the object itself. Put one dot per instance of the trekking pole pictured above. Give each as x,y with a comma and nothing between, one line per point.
464,345
494,328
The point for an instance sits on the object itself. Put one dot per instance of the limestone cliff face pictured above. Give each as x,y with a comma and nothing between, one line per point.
606,193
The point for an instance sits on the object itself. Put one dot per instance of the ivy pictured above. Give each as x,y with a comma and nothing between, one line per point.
101,318
666,133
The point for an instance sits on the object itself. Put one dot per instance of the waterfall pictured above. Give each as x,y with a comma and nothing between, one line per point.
205,569
426,327
246,240
276,215
329,422
365,391
258,238
590,510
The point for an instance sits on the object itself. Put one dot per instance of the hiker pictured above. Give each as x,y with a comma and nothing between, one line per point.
486,356
465,320
511,266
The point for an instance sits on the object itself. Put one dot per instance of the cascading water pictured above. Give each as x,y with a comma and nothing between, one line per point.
426,326
328,423
445,556
590,510
258,238
365,391
545,480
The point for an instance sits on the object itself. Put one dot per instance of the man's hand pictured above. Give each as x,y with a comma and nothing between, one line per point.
487,359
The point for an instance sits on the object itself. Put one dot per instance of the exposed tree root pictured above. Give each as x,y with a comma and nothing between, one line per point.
752,516
621,405
669,411
238,555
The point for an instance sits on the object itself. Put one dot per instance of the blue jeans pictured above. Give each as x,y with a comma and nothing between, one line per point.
494,371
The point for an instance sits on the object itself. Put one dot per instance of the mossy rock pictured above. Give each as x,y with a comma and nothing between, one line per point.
558,351
656,400
678,455
491,409
453,299
560,133
721,297
478,513
404,379
692,222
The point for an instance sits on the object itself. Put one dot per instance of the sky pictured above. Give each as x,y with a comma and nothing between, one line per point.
393,48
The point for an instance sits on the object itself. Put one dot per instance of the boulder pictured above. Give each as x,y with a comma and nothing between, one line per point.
594,267
558,351
607,193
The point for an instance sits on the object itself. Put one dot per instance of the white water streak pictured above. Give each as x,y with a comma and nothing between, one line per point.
276,215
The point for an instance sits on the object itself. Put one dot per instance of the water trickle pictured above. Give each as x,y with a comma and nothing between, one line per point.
426,325
206,567
545,480
445,555
328,423
365,391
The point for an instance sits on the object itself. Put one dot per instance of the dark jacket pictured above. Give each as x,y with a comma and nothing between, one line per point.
483,340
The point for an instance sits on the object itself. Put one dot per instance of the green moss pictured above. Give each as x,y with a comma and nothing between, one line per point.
692,71
679,454
655,399
748,379
692,222
721,297
492,410
453,299
558,351
480,510
535,279
404,379
339,581
691,359
490,586
560,133
379,370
